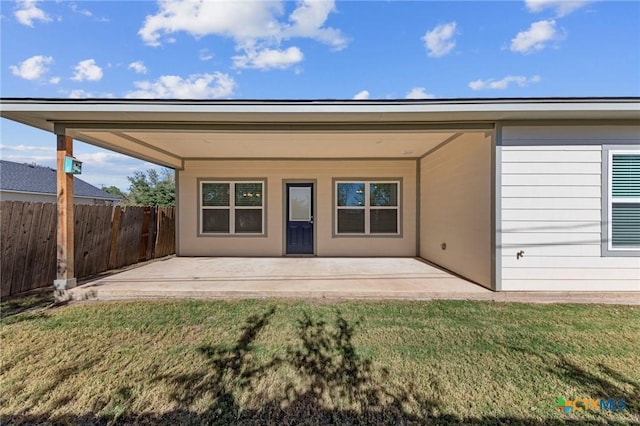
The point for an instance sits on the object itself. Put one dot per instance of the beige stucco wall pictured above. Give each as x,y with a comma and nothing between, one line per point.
455,207
276,171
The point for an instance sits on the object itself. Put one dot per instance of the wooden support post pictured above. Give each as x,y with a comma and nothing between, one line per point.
65,259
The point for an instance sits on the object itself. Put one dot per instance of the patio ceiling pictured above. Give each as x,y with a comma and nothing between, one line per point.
169,132
312,144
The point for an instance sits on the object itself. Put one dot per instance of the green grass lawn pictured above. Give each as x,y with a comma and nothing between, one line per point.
281,362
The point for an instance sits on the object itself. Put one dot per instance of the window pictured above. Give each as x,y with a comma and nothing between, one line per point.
364,208
623,201
232,207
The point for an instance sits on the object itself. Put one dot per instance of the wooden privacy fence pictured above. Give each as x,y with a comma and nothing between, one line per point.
105,238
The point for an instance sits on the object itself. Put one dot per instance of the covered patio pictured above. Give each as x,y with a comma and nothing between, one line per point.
392,184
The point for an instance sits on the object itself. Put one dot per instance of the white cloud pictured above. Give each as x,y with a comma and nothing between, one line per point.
419,93
87,70
536,37
561,7
504,83
362,95
439,41
79,93
242,20
196,86
54,80
74,7
110,168
27,148
42,155
138,66
205,55
101,158
27,12
257,27
308,20
268,58
32,68
41,160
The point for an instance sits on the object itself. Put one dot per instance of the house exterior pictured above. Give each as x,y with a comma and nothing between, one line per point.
513,194
30,182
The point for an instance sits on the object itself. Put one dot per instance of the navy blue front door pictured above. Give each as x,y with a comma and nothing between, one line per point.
299,218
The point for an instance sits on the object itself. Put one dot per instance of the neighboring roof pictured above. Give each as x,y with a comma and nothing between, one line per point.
19,177
170,132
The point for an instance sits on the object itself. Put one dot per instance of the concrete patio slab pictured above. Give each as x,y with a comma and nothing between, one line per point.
300,277
309,277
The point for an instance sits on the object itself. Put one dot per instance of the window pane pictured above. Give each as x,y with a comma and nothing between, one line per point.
351,221
384,221
625,175
215,220
248,194
215,194
350,194
249,221
384,194
625,225
300,204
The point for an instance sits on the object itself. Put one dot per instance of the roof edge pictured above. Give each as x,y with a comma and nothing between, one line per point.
91,197
434,101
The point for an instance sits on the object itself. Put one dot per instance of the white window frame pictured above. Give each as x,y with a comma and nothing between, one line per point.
609,200
367,207
232,208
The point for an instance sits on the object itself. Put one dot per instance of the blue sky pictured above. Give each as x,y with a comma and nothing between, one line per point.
305,50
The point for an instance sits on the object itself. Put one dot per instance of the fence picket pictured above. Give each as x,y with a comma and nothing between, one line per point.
46,251
31,246
22,240
10,216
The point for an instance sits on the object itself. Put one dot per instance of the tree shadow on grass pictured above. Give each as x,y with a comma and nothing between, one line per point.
230,370
23,317
44,391
599,386
333,384
342,387
605,382
26,307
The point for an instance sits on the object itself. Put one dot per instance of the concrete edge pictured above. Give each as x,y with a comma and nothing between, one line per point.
631,298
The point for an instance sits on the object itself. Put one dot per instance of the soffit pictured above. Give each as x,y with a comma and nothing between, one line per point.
193,145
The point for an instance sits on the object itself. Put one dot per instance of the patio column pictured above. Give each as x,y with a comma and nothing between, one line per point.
65,272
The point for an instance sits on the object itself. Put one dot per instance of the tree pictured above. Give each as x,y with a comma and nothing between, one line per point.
115,191
151,188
